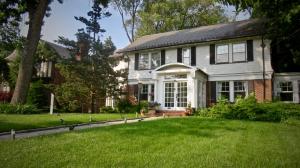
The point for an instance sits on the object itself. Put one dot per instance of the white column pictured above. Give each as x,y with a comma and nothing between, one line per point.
51,103
295,91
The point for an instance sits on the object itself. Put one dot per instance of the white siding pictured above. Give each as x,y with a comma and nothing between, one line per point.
216,72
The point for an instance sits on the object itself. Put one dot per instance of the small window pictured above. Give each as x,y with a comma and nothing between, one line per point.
239,89
144,89
223,90
144,61
239,52
186,56
222,54
286,91
155,60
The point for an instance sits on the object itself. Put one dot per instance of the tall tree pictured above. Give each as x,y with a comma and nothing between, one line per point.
169,15
128,10
282,18
36,9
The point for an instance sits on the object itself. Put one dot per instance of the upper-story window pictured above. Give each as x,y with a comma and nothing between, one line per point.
155,60
149,60
286,91
238,52
144,61
186,56
222,54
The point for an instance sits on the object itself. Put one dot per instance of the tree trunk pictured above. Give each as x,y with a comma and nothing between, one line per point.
36,15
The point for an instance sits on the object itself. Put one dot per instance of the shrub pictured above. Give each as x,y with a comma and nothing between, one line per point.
37,94
249,109
19,109
108,109
124,106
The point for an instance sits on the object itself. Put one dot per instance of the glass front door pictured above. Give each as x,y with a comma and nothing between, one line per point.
175,94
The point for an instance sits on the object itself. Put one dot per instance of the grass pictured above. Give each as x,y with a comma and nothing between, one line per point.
22,122
175,142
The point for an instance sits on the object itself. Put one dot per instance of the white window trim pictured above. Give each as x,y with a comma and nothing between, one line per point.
231,89
279,90
149,59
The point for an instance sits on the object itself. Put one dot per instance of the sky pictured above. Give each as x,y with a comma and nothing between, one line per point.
62,23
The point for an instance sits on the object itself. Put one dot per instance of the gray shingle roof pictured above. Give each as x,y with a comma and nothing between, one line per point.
63,52
231,30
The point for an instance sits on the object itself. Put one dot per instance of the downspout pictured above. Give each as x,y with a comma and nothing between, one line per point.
264,73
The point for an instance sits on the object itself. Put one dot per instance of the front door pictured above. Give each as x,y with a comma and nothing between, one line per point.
175,95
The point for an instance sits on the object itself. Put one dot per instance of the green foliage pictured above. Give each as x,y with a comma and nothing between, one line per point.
108,109
163,16
37,94
282,27
19,109
124,106
249,109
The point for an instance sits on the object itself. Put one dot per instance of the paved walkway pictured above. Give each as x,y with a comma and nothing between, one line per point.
34,133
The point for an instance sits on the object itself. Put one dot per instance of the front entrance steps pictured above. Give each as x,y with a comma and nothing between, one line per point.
167,113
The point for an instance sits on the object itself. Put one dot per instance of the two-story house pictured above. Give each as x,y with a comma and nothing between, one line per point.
196,66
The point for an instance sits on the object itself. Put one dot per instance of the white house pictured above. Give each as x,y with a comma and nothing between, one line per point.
196,66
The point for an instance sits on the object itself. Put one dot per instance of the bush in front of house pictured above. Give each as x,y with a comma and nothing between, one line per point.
108,109
125,106
6,108
249,109
37,94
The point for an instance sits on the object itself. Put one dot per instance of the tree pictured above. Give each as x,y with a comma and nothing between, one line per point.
36,9
128,8
93,72
282,18
169,15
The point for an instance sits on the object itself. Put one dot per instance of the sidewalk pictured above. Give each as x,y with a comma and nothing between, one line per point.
53,130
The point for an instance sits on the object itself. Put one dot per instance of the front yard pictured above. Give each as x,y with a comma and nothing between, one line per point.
22,122
174,142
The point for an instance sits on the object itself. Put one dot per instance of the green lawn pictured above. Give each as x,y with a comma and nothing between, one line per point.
21,122
174,142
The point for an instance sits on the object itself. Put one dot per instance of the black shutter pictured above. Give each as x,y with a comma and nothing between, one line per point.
193,56
213,97
163,57
212,54
249,50
136,61
179,54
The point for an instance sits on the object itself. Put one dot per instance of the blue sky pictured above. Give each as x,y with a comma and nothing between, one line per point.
62,22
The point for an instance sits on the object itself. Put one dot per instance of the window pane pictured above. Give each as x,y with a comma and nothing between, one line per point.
155,60
239,52
144,61
222,53
286,96
186,56
223,90
238,47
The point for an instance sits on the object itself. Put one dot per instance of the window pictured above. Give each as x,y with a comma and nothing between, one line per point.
186,56
239,89
223,90
286,91
144,61
155,60
222,54
238,52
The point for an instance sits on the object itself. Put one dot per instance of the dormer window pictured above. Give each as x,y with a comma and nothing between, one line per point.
222,54
238,52
186,56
